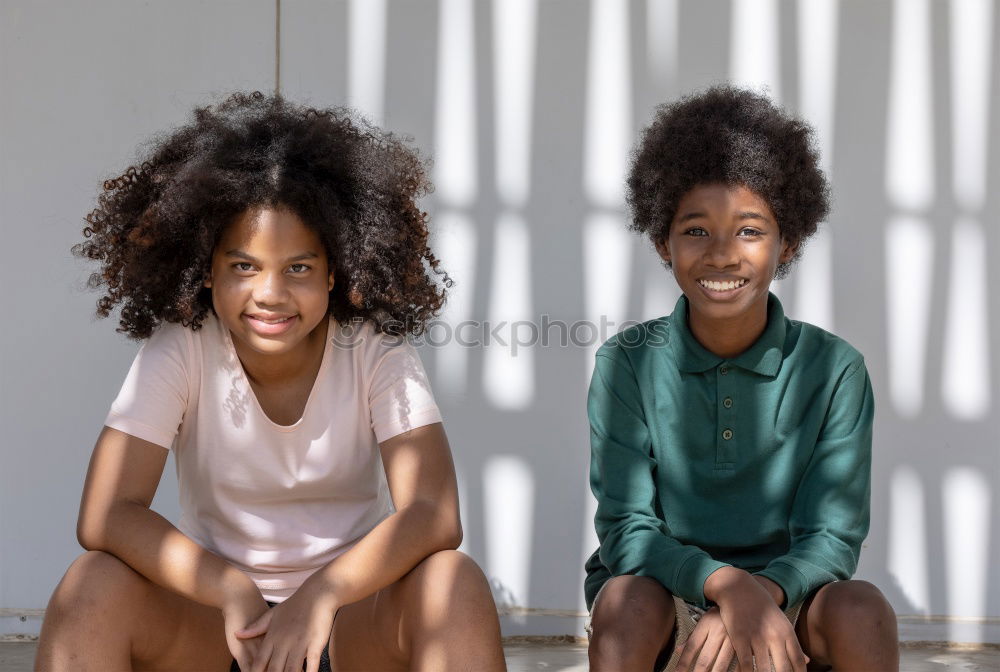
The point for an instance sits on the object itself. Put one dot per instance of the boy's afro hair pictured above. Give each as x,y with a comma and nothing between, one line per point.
155,226
727,135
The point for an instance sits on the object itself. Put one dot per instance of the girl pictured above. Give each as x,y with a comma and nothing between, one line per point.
275,259
731,446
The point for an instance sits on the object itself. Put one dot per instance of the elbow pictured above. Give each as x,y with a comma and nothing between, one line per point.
453,534
447,527
89,534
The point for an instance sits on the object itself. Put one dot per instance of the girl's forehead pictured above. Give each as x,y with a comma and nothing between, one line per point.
269,228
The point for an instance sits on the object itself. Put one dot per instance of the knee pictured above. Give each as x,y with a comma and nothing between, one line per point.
94,580
858,606
630,610
450,577
451,568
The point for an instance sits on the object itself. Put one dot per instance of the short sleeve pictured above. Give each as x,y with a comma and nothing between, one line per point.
155,393
399,395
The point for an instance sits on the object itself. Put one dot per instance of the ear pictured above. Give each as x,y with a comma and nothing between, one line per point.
788,250
207,282
329,280
663,249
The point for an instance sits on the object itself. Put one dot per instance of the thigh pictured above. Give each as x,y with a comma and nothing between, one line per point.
438,612
846,618
166,631
632,617
366,636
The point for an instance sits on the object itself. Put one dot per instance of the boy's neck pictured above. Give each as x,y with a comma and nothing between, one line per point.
730,337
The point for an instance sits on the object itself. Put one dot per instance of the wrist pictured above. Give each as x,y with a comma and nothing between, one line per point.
773,589
238,588
723,582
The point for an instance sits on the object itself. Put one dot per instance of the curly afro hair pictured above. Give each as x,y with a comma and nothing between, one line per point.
727,135
155,226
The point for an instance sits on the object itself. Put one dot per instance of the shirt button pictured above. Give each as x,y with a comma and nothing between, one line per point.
727,402
727,434
723,370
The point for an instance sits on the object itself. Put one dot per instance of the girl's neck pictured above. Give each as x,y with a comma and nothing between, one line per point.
729,337
303,360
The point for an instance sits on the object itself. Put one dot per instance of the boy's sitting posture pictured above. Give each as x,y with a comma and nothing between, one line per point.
731,446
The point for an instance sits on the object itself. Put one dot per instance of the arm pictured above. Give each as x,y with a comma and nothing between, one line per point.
421,478
634,540
115,518
830,513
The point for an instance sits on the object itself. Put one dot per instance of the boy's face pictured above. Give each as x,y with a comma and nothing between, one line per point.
270,280
724,246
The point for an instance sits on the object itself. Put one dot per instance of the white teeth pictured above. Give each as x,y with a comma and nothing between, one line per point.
722,286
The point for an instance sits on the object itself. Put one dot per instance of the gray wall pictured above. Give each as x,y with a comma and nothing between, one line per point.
529,109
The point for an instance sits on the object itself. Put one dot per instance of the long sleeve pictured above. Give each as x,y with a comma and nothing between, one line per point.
634,540
830,513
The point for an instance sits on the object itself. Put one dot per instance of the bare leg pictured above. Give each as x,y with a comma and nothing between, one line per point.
633,620
440,616
849,625
106,616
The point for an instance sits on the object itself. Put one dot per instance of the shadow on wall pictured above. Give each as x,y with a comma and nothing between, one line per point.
531,108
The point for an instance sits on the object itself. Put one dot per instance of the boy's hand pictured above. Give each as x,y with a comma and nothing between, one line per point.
708,646
758,630
294,631
244,605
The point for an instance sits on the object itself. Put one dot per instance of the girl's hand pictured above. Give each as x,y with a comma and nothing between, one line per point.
294,631
242,608
760,633
708,646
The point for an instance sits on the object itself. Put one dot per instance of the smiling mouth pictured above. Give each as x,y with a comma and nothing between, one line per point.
724,286
279,320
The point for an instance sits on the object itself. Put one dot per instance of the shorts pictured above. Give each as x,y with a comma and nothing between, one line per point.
686,618
324,659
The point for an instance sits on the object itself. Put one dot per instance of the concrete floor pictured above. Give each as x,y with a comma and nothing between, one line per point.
17,656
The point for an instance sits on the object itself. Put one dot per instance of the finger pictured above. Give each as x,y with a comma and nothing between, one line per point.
257,628
263,657
725,657
780,658
295,660
797,656
744,656
312,660
689,650
709,652
278,658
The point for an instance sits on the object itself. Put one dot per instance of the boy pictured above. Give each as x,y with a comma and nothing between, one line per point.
731,447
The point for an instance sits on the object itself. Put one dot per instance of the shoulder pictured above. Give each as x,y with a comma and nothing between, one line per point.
366,345
637,340
808,344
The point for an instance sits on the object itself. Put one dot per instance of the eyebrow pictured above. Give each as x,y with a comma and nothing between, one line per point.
690,215
750,214
746,214
240,254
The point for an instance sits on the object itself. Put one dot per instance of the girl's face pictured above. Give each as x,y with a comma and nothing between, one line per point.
270,280
724,246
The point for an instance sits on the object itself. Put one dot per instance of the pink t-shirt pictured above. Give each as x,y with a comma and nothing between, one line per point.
276,501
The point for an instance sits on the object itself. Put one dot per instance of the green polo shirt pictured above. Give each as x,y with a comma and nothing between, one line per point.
761,461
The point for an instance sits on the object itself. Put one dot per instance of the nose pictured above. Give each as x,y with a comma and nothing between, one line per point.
722,252
270,289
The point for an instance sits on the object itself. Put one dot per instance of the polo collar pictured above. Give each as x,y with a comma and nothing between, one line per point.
763,357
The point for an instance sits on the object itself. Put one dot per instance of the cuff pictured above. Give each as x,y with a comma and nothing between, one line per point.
689,579
791,580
